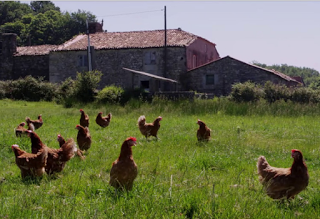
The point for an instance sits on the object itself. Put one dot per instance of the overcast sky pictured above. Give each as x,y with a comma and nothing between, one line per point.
268,32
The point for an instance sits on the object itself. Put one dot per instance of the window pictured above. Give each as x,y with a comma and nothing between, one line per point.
150,58
144,85
194,61
82,60
209,79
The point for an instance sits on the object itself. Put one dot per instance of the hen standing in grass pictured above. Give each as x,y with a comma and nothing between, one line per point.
77,151
124,170
83,137
84,119
34,124
57,158
20,130
149,129
284,182
103,121
203,133
31,165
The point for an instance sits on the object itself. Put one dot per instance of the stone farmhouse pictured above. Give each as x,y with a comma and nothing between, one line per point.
192,61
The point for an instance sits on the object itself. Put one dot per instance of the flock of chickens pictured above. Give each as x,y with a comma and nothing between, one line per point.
278,183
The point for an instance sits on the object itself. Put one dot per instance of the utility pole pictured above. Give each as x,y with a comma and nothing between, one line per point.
89,49
165,45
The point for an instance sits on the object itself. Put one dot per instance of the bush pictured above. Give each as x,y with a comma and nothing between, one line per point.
110,94
66,92
30,89
136,94
86,84
303,95
246,92
274,92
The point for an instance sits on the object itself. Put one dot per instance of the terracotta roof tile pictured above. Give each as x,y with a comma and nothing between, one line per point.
34,50
132,39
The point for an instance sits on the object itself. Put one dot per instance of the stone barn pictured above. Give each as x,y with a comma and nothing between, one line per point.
217,77
137,50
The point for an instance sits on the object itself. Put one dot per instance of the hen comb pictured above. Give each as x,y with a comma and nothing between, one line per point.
81,110
59,136
14,145
132,139
294,150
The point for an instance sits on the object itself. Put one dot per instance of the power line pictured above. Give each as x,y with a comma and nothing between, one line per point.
112,15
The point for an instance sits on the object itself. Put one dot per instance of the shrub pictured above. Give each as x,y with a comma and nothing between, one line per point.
66,92
302,95
110,94
85,85
30,89
137,94
274,92
246,92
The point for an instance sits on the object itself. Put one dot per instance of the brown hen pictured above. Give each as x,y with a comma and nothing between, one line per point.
21,130
103,121
84,119
149,129
203,133
124,170
57,158
83,137
34,124
77,151
31,165
284,182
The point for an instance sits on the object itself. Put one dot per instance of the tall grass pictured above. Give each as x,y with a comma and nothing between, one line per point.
178,177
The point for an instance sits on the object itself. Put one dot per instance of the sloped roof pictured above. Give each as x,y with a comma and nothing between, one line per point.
284,76
116,40
34,50
132,39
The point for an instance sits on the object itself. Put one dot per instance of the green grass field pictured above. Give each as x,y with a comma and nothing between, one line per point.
178,177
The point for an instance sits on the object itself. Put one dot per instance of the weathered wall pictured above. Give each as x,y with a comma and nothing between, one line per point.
228,71
37,66
8,48
110,63
204,52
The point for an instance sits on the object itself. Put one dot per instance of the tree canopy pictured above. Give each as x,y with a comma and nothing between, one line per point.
41,22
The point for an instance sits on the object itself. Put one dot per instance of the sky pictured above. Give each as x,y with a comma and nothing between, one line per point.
268,32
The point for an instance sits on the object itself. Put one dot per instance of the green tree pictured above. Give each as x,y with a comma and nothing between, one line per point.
42,22
11,11
43,6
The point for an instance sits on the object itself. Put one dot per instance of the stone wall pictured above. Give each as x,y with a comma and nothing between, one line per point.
226,72
65,64
37,66
8,48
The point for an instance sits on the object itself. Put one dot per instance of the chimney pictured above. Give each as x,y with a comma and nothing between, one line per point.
9,44
95,27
